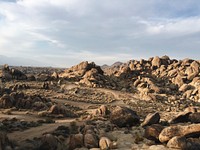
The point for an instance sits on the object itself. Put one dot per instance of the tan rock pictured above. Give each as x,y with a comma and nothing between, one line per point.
177,130
158,147
195,66
105,143
156,62
104,110
177,142
191,109
152,132
184,87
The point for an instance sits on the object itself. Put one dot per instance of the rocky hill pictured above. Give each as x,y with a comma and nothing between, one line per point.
147,104
88,74
155,78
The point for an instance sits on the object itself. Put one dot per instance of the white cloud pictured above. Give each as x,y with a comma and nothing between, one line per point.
88,29
175,26
72,58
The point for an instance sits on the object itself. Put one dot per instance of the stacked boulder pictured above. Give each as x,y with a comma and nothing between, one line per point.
8,73
86,73
159,76
176,135
21,101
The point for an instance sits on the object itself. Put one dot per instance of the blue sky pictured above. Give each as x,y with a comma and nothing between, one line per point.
65,32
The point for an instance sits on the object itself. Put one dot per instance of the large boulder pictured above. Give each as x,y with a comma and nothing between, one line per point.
156,62
177,142
195,66
123,117
152,132
178,130
179,80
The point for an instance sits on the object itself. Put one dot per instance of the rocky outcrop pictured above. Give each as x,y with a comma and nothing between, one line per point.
17,74
148,79
8,73
78,71
157,76
86,73
23,101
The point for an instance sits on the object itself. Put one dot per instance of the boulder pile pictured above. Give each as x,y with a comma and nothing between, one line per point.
7,73
88,74
159,77
175,134
20,100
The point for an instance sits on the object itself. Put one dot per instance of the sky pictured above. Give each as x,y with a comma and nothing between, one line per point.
63,33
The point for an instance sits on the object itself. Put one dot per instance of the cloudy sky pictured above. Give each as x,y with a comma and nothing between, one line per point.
65,32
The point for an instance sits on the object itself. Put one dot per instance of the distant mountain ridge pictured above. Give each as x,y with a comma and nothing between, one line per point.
110,69
18,61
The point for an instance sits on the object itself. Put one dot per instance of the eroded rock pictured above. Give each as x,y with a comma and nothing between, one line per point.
123,117
178,130
152,132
